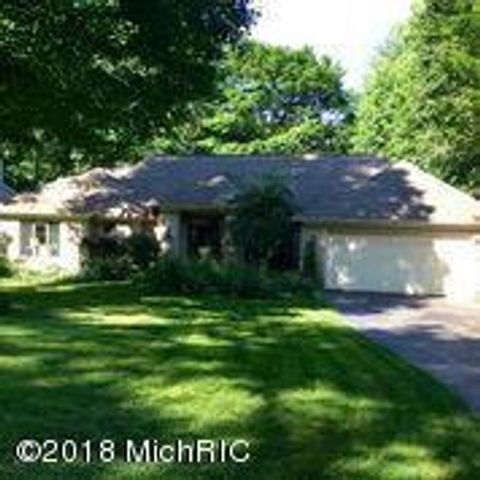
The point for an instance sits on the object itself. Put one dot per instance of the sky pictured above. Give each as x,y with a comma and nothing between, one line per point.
350,31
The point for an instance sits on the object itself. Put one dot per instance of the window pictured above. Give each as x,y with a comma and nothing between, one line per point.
41,233
39,237
204,236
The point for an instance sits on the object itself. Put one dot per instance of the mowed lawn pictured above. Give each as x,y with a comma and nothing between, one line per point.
315,399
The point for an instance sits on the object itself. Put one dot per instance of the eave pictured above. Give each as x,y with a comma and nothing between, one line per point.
389,225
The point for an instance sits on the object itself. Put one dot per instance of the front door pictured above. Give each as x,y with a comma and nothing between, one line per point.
204,236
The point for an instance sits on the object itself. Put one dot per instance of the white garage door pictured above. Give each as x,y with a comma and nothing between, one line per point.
420,265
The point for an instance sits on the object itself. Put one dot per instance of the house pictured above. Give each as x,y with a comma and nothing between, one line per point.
376,226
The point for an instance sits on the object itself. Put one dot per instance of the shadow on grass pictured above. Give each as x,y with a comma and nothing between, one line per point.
315,399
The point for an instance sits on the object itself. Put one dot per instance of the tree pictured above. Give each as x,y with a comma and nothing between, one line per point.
422,101
269,100
261,227
84,80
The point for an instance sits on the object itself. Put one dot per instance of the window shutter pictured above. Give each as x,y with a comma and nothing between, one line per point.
54,238
26,231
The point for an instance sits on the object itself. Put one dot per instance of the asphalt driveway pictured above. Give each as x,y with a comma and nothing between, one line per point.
441,338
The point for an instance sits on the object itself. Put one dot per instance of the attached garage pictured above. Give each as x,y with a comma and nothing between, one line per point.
443,263
400,231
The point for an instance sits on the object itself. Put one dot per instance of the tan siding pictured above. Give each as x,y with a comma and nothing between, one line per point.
68,258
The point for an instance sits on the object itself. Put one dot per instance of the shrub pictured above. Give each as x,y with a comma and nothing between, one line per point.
261,226
243,281
143,248
4,303
309,261
166,276
293,284
114,257
102,247
172,276
5,268
107,269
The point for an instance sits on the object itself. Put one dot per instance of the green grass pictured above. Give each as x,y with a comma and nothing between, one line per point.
315,399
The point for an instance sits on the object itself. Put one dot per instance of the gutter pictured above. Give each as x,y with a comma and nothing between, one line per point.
56,217
388,225
338,224
11,214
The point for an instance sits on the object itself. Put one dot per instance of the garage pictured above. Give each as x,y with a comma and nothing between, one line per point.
414,264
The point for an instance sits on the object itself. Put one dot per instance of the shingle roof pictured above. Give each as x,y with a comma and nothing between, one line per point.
327,188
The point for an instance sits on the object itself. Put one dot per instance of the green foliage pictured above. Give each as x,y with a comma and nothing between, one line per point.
5,303
107,269
5,241
292,284
111,257
309,261
261,226
422,101
84,81
314,398
269,100
143,248
6,269
173,276
103,246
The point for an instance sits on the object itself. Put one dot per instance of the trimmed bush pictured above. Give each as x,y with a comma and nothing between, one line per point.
172,276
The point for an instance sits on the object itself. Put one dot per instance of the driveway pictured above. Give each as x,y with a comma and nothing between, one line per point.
441,338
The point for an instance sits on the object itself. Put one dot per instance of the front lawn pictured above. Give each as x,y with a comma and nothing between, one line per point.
315,399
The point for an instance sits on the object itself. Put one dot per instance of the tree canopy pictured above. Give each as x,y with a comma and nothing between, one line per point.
269,100
84,80
422,101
